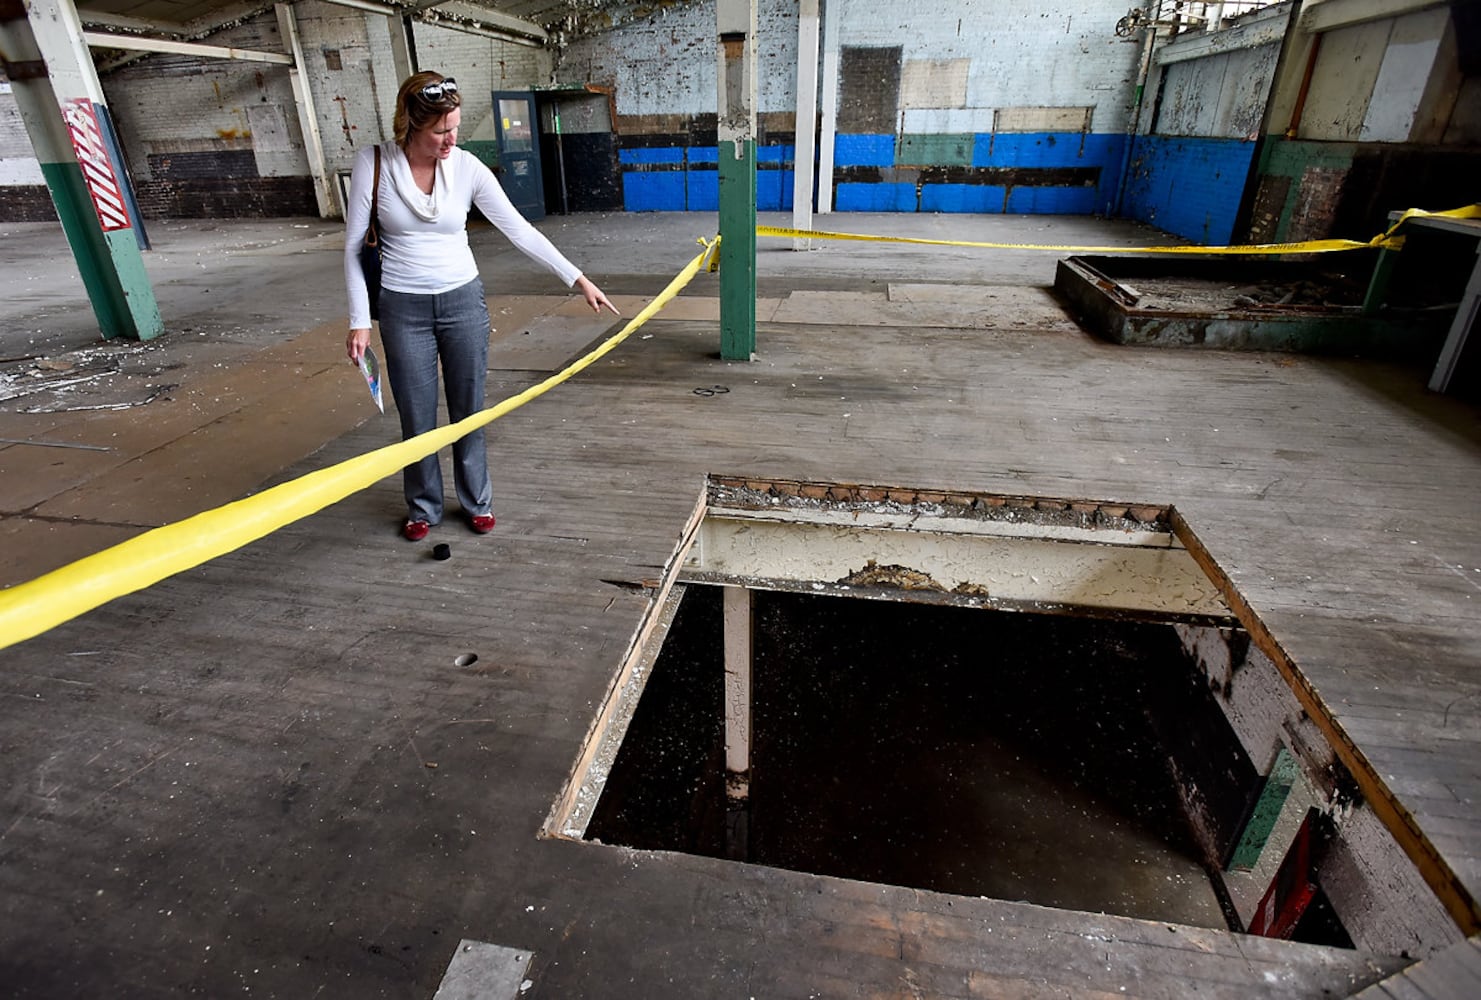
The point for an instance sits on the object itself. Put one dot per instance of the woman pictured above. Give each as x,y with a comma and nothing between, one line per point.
432,306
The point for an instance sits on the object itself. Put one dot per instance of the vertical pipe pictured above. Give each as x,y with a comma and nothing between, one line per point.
1134,125
1300,107
737,613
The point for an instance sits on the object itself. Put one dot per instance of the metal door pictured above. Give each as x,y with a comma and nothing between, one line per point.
519,151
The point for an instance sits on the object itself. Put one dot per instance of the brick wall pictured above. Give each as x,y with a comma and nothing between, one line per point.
1203,116
218,137
26,203
936,112
481,66
1188,186
1314,190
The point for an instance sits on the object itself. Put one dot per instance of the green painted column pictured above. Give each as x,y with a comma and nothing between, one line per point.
737,250
736,20
57,93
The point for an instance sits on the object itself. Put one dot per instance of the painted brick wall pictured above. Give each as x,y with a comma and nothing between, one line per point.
1376,85
1347,189
213,137
936,111
1204,114
23,194
481,66
1188,186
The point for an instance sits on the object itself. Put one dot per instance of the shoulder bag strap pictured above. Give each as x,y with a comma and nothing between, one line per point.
372,235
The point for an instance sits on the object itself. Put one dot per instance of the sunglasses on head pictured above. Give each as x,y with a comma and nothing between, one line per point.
438,91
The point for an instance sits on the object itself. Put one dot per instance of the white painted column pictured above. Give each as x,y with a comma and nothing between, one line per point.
738,613
807,116
832,16
308,118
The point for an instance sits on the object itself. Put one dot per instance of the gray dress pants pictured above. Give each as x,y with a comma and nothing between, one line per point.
419,332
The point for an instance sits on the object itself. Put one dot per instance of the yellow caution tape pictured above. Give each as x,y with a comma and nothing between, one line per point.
30,608
1387,240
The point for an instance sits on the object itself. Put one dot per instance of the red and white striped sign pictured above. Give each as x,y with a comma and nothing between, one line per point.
97,169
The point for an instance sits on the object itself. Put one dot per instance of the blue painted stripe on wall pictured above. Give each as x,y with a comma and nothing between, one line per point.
1047,149
703,194
853,197
655,192
774,190
1052,201
978,199
1188,186
660,154
864,150
697,190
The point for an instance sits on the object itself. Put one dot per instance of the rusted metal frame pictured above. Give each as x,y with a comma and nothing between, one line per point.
1433,868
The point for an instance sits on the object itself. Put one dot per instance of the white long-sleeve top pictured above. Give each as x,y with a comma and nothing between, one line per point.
430,257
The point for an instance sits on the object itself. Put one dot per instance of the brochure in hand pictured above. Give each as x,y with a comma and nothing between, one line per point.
371,369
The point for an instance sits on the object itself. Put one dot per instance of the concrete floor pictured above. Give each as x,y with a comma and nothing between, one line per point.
268,775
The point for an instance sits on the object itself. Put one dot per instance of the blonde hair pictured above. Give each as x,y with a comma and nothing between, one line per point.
415,112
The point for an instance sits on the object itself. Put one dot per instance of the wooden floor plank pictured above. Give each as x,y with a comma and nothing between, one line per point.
279,754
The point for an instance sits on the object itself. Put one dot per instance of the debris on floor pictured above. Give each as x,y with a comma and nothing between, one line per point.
105,377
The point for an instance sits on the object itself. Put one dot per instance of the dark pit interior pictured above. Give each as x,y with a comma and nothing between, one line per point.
1018,756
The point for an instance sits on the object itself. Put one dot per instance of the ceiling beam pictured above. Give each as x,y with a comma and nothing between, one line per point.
459,10
440,20
454,15
138,43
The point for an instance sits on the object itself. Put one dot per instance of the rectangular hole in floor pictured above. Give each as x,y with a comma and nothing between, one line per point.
981,753
1060,702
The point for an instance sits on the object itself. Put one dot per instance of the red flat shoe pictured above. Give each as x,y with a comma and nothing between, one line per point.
415,531
481,523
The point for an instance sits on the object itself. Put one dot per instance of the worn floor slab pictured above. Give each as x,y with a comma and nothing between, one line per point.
320,763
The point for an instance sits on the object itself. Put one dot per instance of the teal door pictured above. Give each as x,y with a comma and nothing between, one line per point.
519,151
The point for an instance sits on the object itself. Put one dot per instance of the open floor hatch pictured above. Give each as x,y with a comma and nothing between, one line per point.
1058,701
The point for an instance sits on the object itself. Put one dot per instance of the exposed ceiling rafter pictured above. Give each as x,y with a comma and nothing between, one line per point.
138,43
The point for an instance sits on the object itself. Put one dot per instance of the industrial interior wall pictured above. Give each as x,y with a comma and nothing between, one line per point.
1202,114
956,106
219,138
212,138
661,74
1391,120
481,65
23,194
